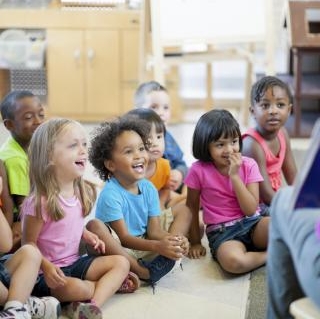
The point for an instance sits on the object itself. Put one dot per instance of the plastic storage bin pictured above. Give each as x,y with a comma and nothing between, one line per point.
19,50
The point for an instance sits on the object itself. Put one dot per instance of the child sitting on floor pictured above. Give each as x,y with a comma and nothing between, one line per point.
18,274
53,219
155,96
22,112
226,185
129,203
268,142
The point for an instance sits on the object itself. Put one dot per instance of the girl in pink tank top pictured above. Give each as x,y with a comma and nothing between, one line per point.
268,141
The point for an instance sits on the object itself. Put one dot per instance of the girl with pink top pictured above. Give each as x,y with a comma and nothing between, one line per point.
226,186
53,219
268,142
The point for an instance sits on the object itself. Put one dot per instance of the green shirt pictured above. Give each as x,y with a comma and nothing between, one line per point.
16,163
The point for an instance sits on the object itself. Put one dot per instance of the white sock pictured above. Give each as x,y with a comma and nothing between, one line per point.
14,304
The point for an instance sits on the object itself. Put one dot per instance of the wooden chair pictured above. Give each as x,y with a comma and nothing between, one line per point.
169,38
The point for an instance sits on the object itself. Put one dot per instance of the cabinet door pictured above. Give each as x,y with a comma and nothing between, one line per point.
130,65
65,72
102,73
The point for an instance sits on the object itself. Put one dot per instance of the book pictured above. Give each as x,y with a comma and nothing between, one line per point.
306,193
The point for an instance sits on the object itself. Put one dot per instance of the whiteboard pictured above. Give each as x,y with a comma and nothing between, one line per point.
212,21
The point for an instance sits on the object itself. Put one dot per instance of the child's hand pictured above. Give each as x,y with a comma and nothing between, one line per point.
170,246
54,276
235,163
196,251
175,179
184,244
94,241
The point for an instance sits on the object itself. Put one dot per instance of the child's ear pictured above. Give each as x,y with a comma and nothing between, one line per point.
8,124
251,110
109,165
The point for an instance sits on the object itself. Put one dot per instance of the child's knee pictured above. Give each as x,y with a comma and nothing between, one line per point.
121,262
94,224
29,252
232,263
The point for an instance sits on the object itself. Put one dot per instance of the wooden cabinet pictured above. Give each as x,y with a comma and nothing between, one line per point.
129,68
83,81
92,58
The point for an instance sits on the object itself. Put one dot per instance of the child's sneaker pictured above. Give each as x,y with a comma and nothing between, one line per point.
82,310
15,313
43,308
130,284
158,268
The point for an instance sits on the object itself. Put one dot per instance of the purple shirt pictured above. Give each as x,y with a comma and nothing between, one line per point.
217,197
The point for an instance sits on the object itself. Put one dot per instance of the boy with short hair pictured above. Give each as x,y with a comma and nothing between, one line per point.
22,112
155,96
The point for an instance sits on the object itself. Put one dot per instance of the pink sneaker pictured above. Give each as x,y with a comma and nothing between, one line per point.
130,284
82,310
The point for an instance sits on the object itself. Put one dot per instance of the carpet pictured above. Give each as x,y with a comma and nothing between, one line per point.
257,300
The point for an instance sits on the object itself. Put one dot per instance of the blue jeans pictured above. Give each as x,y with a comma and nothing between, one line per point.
5,277
293,265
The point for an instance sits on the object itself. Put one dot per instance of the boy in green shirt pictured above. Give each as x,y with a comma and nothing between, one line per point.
22,112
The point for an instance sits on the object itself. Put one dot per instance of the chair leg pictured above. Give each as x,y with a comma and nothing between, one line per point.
209,103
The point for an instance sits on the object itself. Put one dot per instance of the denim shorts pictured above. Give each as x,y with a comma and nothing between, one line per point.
4,274
241,231
77,270
264,209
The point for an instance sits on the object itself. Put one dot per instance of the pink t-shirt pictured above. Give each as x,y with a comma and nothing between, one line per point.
217,197
59,240
273,163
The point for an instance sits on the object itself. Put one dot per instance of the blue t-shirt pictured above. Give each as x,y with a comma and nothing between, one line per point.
115,202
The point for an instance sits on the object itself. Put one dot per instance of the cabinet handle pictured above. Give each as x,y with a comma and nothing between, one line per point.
90,54
76,54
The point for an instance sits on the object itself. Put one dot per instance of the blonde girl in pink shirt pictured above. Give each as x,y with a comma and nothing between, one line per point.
225,185
53,220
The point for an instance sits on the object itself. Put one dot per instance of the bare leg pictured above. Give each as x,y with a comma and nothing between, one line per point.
23,267
3,294
234,258
182,220
113,247
108,273
75,289
260,233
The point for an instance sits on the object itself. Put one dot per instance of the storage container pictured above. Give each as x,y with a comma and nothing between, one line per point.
19,50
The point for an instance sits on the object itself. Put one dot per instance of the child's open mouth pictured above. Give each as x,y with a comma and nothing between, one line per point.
81,163
138,168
